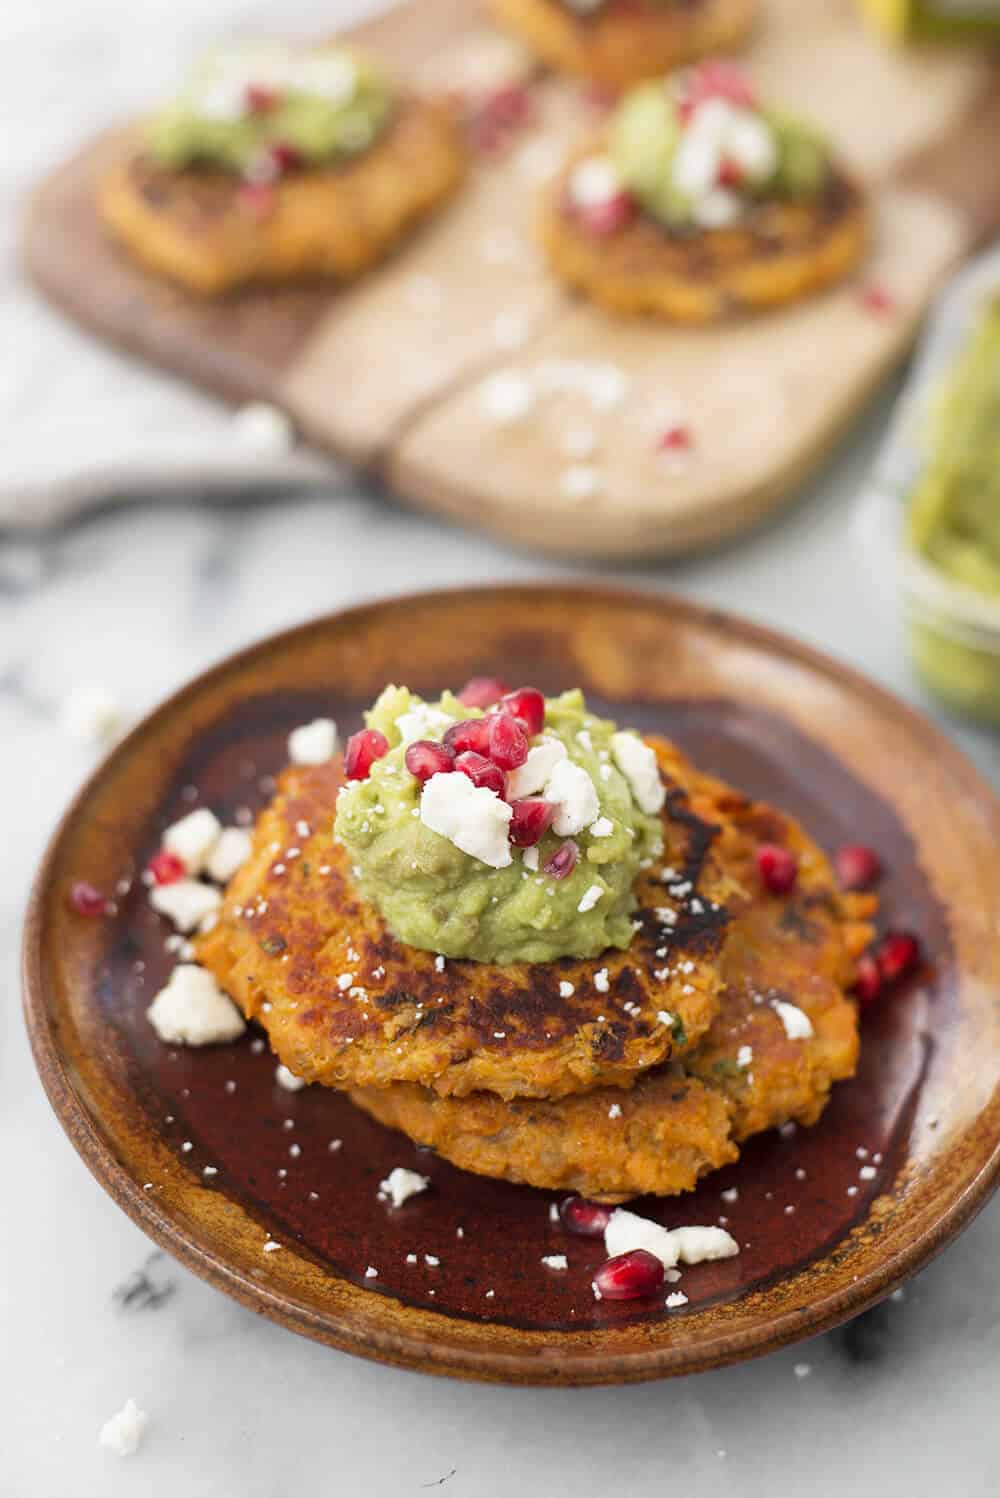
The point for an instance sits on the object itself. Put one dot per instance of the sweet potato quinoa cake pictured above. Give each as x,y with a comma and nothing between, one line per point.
699,202
275,165
617,42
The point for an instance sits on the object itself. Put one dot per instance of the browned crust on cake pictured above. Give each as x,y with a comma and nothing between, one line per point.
784,249
194,225
617,47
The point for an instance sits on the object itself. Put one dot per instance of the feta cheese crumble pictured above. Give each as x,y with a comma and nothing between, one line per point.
570,789
423,722
555,1261
637,763
186,902
229,854
566,989
590,898
533,775
798,1025
288,1080
192,1010
313,743
688,1245
193,838
123,1432
603,827
400,1184
506,398
470,816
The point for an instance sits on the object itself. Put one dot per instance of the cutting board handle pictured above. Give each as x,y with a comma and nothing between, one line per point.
964,166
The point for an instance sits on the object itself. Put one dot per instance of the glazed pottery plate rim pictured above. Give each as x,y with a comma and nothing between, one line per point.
433,1345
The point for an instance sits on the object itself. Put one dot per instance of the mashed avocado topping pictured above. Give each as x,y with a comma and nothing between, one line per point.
436,857
260,110
700,149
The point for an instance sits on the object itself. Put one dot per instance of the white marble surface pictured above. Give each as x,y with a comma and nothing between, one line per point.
138,600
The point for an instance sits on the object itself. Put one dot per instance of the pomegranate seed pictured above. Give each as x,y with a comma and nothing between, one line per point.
868,979
600,97
285,157
511,105
256,200
730,173
86,900
471,734
719,79
261,100
528,704
482,691
897,954
676,439
631,1276
363,749
508,741
562,862
607,217
878,300
481,771
425,758
166,868
777,868
530,821
857,865
585,1219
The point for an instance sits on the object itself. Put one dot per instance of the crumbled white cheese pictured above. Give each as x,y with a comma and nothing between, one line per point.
288,1080
533,775
601,981
593,181
371,1273
123,1433
637,762
192,1009
580,481
470,816
867,1173
716,209
186,902
751,145
400,1184
675,1300
589,898
797,1023
313,743
566,990
530,859
744,1056
664,1017
579,443
193,838
574,796
229,854
91,714
690,1245
263,428
615,1111
506,398
423,722
603,827
555,1261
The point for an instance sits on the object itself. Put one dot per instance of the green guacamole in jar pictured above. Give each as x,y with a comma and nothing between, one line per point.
498,904
954,523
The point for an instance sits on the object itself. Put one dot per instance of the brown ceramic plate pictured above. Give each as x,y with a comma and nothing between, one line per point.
771,715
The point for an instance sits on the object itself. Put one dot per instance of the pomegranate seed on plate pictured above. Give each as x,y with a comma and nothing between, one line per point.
508,741
608,216
86,900
425,758
482,691
471,734
166,868
897,954
868,979
260,99
858,866
561,863
481,771
528,704
778,869
530,820
363,749
585,1219
676,439
631,1276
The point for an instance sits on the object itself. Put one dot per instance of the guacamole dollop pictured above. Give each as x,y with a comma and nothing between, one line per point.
687,164
313,106
433,895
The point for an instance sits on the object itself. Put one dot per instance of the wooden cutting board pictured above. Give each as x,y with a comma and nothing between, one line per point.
389,372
